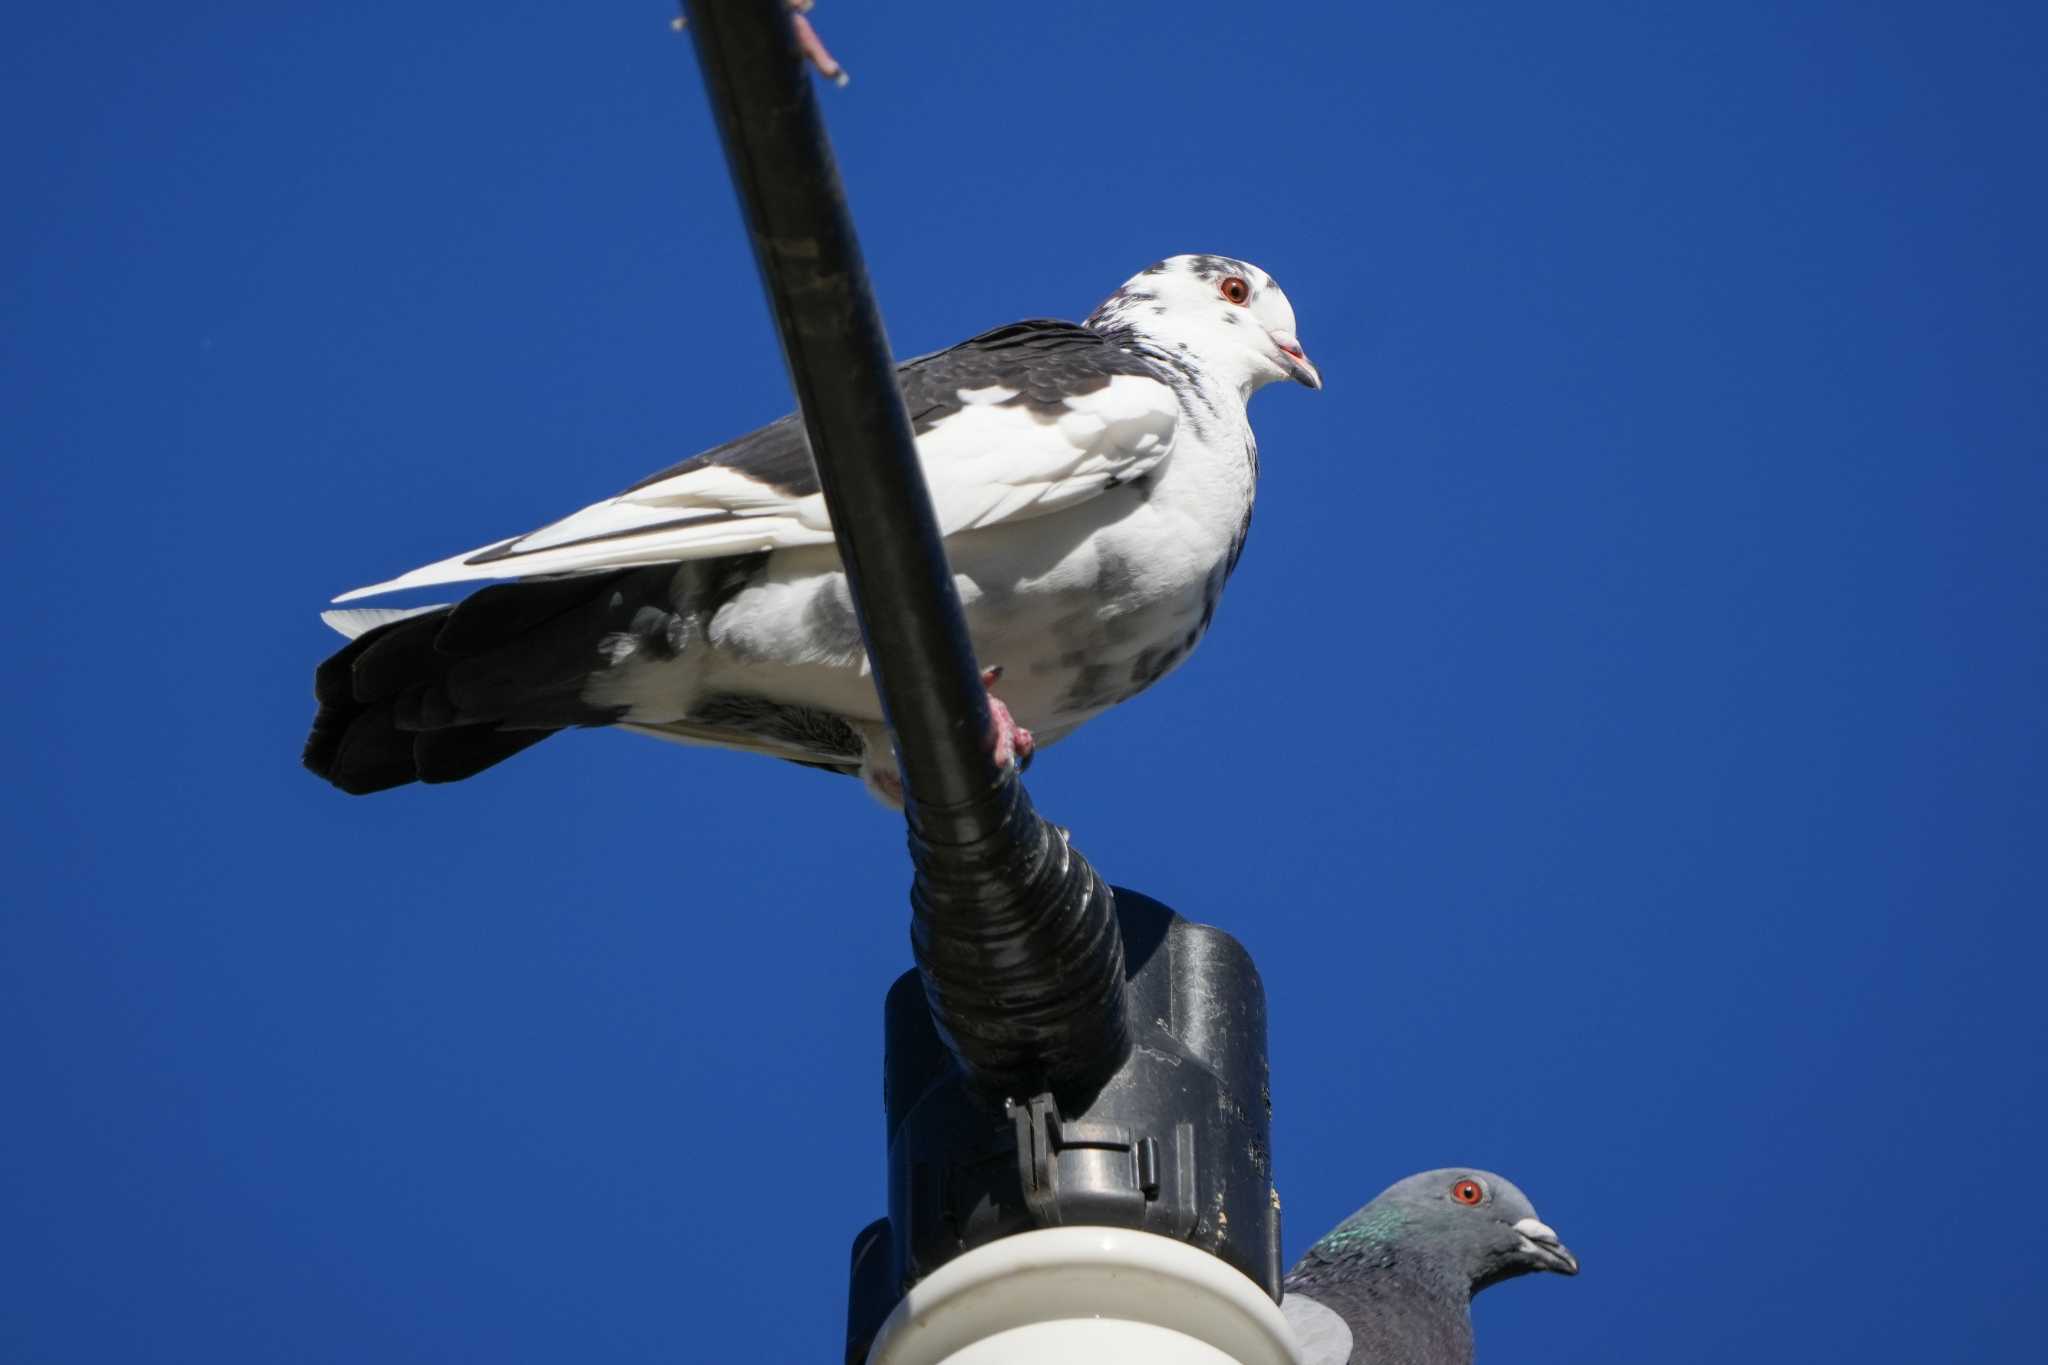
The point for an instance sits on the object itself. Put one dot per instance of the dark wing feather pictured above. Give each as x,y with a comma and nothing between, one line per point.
1047,361
760,492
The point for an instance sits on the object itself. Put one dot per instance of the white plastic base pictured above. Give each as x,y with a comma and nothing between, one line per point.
1083,1295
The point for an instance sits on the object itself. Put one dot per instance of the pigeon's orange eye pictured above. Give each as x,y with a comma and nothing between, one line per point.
1236,289
1467,1192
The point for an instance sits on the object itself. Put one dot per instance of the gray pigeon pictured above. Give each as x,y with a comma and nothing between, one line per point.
1393,1283
1093,482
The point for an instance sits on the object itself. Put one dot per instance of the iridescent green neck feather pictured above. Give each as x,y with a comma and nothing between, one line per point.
1374,1225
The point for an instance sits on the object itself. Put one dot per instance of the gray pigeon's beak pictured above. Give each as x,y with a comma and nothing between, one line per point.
1294,362
1541,1244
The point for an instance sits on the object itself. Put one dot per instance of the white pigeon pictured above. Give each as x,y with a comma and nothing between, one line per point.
1093,483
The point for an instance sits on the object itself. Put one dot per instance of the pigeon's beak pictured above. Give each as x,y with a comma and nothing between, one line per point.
1294,362
1541,1245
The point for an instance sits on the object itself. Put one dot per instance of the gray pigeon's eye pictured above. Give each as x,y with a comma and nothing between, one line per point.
1236,289
1467,1192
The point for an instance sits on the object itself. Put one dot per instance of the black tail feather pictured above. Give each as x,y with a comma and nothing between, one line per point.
466,750
361,751
443,695
386,718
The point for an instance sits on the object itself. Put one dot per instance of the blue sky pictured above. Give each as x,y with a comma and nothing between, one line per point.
1622,746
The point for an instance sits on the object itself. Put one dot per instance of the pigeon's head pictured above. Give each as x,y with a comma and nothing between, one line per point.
1475,1224
1225,318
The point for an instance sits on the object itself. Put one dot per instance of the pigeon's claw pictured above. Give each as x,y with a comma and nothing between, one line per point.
807,41
1011,742
884,784
814,47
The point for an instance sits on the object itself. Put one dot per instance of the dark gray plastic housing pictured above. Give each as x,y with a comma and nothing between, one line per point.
1176,1142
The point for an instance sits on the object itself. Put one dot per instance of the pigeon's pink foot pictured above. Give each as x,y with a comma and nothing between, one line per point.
807,40
813,46
1013,743
884,784
1010,743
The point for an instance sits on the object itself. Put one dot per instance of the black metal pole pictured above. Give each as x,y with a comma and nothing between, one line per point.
1015,935
845,381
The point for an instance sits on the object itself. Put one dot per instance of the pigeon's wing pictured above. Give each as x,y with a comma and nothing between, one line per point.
1015,423
1323,1336
1033,418
820,753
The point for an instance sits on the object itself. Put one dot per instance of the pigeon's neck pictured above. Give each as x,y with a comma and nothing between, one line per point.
1370,1245
1213,414
1213,404
1225,392
1410,1275
1373,1233
1221,388
1398,1305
